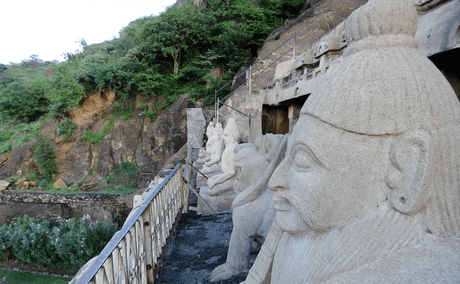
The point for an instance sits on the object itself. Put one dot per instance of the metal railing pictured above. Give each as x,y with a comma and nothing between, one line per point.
134,254
218,103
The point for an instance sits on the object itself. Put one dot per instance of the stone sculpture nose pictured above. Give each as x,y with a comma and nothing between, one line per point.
278,180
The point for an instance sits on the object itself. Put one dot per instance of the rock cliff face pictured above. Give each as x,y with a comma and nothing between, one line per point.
317,19
138,140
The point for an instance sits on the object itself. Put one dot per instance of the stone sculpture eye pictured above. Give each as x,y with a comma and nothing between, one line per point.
302,161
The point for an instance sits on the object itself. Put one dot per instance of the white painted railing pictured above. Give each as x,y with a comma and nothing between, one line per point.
135,253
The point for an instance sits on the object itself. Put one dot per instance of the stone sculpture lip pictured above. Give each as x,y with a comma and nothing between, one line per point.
281,203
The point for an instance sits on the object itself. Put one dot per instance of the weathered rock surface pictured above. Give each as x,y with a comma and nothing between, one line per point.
166,136
89,186
49,128
73,160
20,158
138,140
313,23
4,158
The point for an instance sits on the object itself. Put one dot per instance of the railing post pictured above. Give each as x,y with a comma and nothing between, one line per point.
293,50
249,138
250,79
218,103
149,264
215,104
184,189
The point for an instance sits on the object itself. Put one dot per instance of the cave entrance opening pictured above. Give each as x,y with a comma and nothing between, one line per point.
281,119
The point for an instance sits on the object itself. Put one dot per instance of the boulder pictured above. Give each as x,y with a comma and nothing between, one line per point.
60,183
4,185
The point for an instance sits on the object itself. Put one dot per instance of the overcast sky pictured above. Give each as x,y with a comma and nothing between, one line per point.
49,28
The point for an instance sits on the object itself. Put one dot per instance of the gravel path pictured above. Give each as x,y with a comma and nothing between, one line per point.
199,246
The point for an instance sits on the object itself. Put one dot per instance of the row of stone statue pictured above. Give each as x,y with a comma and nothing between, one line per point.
367,187
237,178
216,163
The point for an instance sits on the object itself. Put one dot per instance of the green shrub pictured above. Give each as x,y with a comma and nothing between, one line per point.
93,138
121,81
24,101
69,245
125,174
146,111
46,183
66,127
44,156
32,176
14,134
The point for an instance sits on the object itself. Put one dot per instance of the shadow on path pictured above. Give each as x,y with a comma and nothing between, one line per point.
199,246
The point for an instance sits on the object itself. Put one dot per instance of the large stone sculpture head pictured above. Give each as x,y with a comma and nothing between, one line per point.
255,163
380,136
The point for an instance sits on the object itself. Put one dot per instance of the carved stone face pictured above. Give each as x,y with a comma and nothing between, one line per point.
249,166
329,177
228,137
216,136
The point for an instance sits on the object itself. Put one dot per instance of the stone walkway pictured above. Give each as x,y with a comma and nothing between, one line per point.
199,245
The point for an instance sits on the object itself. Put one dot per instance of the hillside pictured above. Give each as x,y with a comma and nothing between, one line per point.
123,101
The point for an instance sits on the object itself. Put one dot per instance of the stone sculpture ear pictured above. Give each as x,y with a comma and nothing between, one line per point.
407,176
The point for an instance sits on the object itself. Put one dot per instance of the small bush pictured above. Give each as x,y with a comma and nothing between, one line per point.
46,183
126,174
66,127
14,134
44,156
32,176
146,111
92,137
68,246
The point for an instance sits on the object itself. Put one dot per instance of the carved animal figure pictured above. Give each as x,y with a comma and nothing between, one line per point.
253,211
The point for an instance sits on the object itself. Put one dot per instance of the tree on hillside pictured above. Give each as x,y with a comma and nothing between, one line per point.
176,31
23,101
34,57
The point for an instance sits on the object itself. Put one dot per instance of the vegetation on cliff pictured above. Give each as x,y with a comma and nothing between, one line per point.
169,55
186,49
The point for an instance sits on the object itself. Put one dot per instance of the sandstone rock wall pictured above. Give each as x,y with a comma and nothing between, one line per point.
138,140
